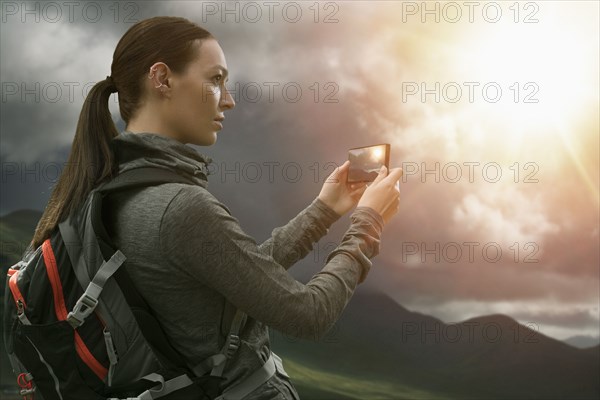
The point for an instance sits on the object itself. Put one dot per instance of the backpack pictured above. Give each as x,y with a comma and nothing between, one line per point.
75,327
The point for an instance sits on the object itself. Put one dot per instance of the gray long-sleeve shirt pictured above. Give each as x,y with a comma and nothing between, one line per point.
194,265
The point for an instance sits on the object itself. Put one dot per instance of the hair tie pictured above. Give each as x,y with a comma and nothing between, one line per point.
111,83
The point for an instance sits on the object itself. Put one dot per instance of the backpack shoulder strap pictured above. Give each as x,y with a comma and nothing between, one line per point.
142,177
86,230
217,362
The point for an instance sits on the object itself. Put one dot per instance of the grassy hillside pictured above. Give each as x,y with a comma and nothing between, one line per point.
16,231
313,383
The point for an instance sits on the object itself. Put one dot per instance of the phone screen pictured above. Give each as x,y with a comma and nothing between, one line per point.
366,161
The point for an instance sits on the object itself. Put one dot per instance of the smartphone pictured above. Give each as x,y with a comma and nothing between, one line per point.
366,161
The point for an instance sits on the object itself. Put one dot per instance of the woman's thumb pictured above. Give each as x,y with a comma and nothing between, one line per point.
382,174
342,169
337,173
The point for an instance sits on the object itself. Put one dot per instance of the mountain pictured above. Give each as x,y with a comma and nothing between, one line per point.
485,357
16,230
582,341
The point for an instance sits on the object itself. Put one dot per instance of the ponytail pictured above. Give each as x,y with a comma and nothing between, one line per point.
90,161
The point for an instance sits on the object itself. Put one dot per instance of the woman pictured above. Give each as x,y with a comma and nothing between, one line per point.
186,253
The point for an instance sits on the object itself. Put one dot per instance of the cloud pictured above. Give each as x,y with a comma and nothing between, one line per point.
504,214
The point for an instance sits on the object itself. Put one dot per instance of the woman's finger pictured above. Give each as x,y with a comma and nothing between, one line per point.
343,171
358,191
395,174
339,173
357,185
381,174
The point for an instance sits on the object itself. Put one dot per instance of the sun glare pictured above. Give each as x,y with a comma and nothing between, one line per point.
376,154
542,85
546,70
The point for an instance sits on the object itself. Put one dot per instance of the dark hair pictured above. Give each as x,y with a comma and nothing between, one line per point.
91,161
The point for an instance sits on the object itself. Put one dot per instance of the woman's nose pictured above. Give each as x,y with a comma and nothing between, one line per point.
227,101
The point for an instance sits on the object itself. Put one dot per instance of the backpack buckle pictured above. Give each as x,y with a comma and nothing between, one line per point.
233,345
83,308
24,380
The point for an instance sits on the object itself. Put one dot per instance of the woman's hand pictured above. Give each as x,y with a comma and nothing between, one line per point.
338,194
383,194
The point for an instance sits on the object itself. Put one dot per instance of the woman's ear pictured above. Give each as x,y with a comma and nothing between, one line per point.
159,75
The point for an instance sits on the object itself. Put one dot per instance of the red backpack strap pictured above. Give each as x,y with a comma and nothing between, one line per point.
61,311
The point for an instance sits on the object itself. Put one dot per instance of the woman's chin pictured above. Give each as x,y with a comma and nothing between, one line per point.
205,139
212,138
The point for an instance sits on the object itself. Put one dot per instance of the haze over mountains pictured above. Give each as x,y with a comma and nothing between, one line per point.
582,341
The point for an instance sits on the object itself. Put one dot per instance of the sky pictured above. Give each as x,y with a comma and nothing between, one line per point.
491,109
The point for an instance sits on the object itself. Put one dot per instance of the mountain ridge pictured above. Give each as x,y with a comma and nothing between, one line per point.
424,353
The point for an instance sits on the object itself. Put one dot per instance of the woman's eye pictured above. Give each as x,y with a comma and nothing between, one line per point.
218,78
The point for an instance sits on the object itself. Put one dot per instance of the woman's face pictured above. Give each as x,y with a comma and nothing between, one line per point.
198,97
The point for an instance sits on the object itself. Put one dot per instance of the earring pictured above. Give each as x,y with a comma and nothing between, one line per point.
151,75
